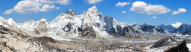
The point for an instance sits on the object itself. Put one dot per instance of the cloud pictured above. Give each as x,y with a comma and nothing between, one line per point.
154,17
62,2
122,4
47,7
177,24
181,10
142,7
8,11
93,1
35,6
124,12
27,6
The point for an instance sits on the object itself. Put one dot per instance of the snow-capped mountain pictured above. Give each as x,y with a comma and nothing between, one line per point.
90,24
34,27
66,24
137,30
3,22
167,27
94,24
149,28
10,23
69,24
183,29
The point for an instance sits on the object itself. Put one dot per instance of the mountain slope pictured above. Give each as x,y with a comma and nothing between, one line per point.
167,27
34,28
183,29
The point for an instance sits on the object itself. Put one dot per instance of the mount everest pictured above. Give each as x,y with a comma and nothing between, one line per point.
89,24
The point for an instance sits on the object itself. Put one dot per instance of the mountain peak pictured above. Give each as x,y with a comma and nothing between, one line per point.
1,18
94,6
43,19
93,9
11,21
145,24
70,12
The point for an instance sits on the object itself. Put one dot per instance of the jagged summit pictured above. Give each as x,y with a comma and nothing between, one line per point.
68,15
93,10
145,24
70,12
11,21
43,19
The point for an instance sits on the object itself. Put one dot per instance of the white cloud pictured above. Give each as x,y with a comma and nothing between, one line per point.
122,4
47,7
62,2
35,6
177,24
181,10
154,17
8,11
93,1
142,7
124,12
27,6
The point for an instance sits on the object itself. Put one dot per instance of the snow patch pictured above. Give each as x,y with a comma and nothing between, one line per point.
189,46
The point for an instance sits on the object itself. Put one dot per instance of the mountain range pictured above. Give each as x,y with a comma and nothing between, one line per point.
91,24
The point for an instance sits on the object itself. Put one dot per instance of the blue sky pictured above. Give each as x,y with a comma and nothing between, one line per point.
134,14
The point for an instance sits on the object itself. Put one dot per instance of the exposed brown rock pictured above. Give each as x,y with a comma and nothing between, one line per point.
45,39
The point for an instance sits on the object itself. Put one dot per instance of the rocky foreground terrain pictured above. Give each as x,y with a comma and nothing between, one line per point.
14,41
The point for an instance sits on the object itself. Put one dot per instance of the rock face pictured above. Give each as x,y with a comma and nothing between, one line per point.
3,30
168,44
88,33
163,42
180,47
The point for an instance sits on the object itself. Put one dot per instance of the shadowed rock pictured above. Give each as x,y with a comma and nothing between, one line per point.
169,44
3,30
163,42
88,33
70,12
180,47
45,39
